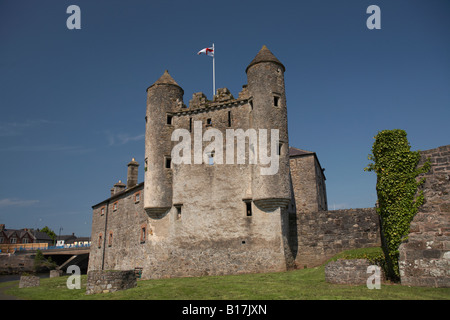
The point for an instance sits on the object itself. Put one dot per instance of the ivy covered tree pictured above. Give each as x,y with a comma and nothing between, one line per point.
397,170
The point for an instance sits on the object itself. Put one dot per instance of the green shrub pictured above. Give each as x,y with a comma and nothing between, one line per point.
41,263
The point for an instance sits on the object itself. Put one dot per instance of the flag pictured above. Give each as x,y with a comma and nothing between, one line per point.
207,51
210,52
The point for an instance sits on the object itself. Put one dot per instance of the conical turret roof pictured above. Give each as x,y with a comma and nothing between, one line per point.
264,55
166,78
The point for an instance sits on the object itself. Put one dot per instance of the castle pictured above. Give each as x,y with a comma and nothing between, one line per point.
217,217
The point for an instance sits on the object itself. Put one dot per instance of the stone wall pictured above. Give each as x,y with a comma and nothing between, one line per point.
352,271
323,234
308,184
29,281
425,256
55,273
16,263
110,281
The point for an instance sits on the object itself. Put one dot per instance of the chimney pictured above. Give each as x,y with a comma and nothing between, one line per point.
132,177
2,227
119,186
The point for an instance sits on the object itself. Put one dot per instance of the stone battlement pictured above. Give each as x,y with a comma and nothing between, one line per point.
222,97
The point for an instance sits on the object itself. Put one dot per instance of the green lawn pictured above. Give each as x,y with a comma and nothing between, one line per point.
302,284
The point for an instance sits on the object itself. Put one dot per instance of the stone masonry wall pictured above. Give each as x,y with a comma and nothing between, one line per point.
425,256
325,233
16,263
29,281
304,184
353,271
110,281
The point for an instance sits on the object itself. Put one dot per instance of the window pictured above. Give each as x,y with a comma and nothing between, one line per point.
276,101
13,240
110,239
25,240
248,208
209,122
115,205
251,104
280,146
143,233
178,207
102,211
169,119
190,124
167,162
137,197
229,118
100,237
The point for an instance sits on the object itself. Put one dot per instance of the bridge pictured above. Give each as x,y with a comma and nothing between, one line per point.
64,251
63,256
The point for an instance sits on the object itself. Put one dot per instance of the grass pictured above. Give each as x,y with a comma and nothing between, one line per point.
304,284
372,253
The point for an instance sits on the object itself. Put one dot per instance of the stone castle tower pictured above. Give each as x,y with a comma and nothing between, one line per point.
262,105
219,215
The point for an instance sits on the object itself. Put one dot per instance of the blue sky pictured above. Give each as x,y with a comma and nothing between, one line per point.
72,102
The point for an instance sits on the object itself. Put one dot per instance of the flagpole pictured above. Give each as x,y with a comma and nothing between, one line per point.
214,71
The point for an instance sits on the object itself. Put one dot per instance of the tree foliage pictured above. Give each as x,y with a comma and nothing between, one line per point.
50,232
397,190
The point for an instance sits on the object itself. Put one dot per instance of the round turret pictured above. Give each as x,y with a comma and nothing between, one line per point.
163,98
265,76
